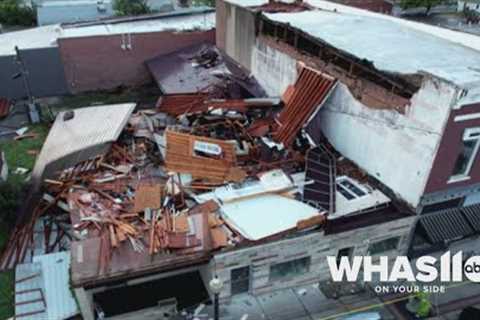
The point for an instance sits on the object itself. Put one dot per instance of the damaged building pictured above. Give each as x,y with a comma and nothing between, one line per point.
404,108
98,55
312,130
153,204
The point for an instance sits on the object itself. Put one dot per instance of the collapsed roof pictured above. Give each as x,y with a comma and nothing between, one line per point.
156,190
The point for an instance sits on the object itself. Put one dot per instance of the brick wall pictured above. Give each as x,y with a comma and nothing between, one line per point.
100,62
317,246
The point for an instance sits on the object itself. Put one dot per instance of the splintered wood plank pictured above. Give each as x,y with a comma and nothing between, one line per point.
148,196
219,238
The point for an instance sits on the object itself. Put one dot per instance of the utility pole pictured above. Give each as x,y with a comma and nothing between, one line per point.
32,108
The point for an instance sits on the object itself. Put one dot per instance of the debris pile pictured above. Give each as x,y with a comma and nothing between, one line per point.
183,180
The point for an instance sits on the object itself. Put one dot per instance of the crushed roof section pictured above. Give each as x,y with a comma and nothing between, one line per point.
88,128
389,45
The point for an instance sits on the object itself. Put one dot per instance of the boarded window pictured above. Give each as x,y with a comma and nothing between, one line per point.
289,269
240,280
384,245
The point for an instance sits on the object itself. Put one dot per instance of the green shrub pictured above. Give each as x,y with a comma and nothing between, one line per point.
208,3
13,13
131,7
11,196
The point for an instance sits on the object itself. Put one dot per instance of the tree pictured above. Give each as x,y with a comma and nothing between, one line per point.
131,7
208,3
428,4
11,196
15,13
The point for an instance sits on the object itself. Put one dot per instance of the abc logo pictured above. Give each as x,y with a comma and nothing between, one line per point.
471,269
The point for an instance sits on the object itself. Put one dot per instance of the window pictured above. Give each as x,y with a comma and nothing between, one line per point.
289,269
467,155
345,252
349,189
240,280
383,246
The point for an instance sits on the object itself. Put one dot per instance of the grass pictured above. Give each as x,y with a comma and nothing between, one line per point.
17,152
145,94
17,155
7,289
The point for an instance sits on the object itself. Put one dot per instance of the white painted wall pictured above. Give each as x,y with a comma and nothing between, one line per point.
273,69
397,149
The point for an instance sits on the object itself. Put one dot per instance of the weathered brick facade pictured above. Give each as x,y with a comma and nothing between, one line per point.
106,62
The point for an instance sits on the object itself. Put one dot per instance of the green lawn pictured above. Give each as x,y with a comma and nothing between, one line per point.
7,289
140,95
16,154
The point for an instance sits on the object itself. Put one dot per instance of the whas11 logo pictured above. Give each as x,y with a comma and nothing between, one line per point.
424,269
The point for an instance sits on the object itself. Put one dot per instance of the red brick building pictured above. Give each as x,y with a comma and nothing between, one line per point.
104,56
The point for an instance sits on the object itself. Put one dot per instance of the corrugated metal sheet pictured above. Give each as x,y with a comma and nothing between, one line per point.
446,225
29,288
472,214
56,274
302,102
81,137
183,72
320,167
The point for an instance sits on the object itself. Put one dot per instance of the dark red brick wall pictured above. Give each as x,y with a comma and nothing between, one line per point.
448,151
95,63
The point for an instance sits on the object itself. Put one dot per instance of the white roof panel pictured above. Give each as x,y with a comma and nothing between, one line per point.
263,216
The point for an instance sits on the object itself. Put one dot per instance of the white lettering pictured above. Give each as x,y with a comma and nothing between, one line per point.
344,268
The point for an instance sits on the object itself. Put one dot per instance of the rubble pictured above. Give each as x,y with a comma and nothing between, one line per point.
5,107
174,184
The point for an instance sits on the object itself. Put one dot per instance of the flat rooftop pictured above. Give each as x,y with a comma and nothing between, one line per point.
47,36
391,44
